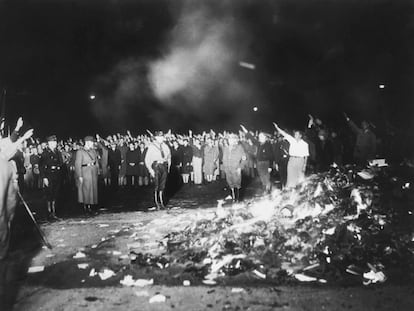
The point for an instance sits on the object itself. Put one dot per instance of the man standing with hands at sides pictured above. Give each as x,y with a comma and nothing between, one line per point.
86,173
158,162
233,158
51,167
264,156
298,157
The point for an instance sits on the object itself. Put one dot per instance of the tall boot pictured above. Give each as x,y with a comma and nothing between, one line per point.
53,208
237,194
161,200
268,189
233,194
87,208
156,199
49,210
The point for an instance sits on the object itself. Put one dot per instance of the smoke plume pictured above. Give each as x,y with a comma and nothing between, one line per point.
200,71
196,81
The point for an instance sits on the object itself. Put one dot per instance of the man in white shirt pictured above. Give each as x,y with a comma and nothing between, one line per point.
298,157
158,162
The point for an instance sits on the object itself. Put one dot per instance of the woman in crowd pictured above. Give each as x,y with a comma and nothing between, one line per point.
186,159
197,162
122,172
143,174
132,160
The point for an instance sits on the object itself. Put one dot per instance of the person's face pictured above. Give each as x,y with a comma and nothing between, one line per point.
88,144
321,137
159,139
298,135
52,144
364,125
232,141
262,138
131,147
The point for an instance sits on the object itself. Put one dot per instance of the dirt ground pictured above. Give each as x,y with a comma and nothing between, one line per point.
123,223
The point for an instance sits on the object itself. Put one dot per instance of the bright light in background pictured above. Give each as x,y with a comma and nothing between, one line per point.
255,109
381,86
92,97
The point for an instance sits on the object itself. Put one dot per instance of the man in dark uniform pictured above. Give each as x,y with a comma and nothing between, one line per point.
281,153
51,165
265,158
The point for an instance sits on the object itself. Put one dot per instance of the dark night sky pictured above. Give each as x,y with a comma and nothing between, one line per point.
322,57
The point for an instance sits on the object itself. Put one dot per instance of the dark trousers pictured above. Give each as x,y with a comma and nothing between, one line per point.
52,191
263,172
282,164
114,172
160,176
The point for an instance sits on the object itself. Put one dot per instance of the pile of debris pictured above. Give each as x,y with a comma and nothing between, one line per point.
340,225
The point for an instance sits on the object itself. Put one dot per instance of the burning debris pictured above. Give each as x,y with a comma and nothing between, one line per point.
333,227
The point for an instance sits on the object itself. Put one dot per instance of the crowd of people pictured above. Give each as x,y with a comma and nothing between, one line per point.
131,161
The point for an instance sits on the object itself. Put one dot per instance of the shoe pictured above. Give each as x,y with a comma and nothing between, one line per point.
54,217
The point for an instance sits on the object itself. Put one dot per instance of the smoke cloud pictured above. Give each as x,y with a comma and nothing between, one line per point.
200,72
123,96
196,81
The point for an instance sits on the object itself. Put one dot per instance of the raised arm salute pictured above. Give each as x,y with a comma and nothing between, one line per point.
298,157
366,142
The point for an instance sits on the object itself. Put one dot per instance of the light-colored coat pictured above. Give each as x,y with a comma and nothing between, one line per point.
88,188
8,198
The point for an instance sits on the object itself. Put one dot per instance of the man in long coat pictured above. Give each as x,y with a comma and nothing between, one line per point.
86,173
8,198
233,159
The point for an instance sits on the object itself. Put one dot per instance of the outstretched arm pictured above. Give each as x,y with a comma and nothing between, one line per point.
352,124
284,134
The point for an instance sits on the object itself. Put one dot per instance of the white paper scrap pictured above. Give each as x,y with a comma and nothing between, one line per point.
35,269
